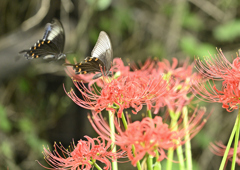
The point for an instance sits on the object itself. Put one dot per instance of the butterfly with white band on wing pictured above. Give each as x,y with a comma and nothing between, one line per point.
100,60
51,45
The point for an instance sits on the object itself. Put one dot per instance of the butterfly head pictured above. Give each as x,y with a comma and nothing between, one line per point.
61,56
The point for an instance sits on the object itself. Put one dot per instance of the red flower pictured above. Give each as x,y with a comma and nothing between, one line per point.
180,81
82,156
149,135
220,69
118,67
182,72
132,91
219,149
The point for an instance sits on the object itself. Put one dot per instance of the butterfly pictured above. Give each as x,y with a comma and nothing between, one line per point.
51,45
100,60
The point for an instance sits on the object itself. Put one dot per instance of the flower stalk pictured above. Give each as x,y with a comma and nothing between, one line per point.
229,144
170,158
174,126
180,158
113,146
187,138
236,141
149,162
149,157
157,165
96,165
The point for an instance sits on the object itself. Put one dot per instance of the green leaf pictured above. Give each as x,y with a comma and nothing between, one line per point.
6,149
202,139
228,31
5,124
193,22
124,19
35,142
101,4
24,85
154,49
25,125
190,46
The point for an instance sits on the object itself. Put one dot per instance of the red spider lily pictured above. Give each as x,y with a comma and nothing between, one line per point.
124,92
218,68
219,149
82,156
229,96
182,72
119,68
179,83
149,135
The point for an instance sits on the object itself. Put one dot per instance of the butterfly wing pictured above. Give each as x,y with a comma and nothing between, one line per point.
103,50
90,65
55,33
100,60
52,44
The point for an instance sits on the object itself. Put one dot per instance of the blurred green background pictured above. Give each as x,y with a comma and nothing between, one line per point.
34,109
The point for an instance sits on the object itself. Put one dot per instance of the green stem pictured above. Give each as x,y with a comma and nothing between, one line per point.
149,113
149,162
138,163
124,121
236,142
170,150
228,145
149,158
180,158
170,158
96,165
157,165
173,125
113,147
187,139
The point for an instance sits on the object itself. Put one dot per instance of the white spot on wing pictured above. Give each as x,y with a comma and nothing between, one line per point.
52,30
48,56
54,33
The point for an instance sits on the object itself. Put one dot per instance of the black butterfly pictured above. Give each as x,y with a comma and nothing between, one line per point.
51,45
100,60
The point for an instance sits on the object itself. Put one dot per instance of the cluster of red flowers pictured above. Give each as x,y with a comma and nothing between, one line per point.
122,92
155,84
149,135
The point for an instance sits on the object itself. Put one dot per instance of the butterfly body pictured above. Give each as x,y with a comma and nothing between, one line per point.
51,45
100,60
